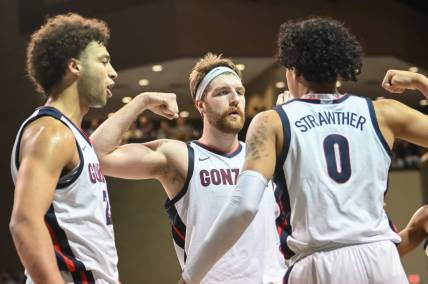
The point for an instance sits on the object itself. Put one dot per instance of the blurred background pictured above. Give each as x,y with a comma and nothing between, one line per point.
154,45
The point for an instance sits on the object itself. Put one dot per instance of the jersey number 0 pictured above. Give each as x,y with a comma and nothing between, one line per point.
336,151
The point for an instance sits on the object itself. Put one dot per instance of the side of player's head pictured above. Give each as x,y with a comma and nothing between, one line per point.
52,46
203,67
322,50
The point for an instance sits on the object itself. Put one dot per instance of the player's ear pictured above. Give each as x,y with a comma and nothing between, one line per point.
74,66
199,104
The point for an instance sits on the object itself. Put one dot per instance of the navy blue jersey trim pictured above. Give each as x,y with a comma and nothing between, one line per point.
62,185
42,112
287,275
286,133
60,238
48,111
83,277
178,228
190,167
231,155
376,127
81,132
283,222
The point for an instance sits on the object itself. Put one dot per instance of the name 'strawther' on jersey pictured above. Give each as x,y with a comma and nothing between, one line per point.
95,174
219,177
330,117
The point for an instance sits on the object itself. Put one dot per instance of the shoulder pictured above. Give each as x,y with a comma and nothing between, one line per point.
174,152
389,110
48,136
386,104
268,120
167,146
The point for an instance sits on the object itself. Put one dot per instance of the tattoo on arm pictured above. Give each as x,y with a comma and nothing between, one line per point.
256,141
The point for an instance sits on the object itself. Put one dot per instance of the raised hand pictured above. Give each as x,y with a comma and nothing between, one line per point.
284,97
164,104
397,81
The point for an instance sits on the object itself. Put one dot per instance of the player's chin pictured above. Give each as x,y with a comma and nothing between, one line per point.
234,126
99,103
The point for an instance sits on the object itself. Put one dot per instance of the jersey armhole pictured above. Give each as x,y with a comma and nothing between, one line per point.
280,159
376,127
70,176
190,167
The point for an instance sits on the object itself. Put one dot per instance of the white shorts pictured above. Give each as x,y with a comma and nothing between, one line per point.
372,263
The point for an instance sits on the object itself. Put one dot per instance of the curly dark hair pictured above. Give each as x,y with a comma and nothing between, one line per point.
320,49
62,37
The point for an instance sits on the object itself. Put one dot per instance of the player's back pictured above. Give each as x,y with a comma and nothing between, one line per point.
332,175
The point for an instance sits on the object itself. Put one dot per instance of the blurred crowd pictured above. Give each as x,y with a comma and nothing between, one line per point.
144,129
404,156
6,278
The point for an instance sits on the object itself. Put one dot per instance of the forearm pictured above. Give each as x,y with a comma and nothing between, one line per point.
35,249
109,134
411,237
228,227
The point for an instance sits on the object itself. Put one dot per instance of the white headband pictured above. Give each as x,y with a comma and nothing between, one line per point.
210,76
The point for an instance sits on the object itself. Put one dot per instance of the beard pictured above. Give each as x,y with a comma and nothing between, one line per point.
92,90
225,122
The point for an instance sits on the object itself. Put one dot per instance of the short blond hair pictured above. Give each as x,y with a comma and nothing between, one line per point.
204,65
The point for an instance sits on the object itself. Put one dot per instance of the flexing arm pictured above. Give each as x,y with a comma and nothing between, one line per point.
397,81
396,120
238,213
45,150
133,160
415,232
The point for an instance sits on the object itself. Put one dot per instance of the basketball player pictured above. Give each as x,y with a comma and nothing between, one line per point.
329,154
61,222
199,177
397,81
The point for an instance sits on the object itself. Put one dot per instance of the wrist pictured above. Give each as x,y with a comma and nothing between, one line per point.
143,101
421,84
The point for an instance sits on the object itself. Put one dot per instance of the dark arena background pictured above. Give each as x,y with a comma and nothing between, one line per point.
153,46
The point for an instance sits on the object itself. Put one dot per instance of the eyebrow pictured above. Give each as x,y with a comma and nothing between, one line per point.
227,87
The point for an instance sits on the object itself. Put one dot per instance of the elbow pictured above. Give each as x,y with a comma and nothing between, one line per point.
19,223
14,227
247,212
245,208
250,211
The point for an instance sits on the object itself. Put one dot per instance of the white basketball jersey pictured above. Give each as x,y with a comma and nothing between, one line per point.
255,258
332,175
79,219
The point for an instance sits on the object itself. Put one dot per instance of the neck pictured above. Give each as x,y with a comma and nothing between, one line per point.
216,139
304,87
68,101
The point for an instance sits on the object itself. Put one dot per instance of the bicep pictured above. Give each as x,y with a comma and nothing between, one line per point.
134,161
405,122
415,127
44,155
35,188
260,145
